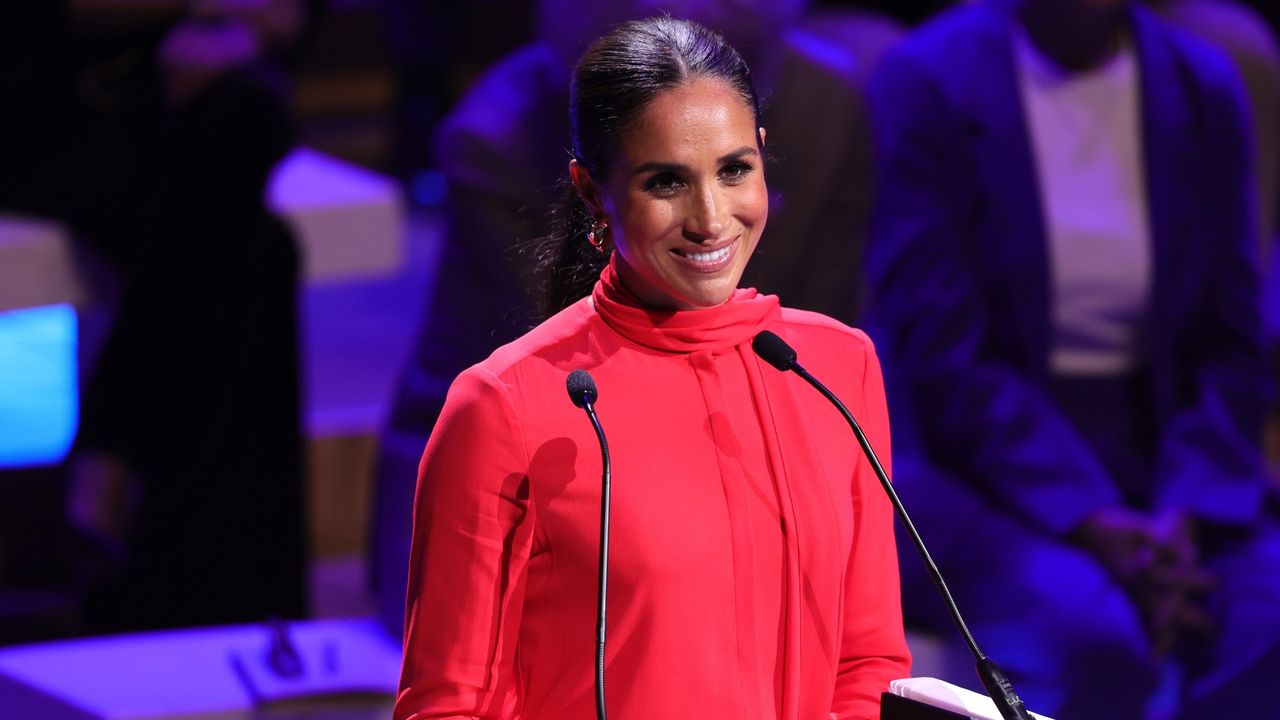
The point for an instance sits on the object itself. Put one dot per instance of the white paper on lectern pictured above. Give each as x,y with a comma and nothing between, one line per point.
944,695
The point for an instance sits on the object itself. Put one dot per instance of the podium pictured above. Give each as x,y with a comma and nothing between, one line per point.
896,707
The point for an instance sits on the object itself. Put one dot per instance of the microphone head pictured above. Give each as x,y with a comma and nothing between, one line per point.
581,387
774,350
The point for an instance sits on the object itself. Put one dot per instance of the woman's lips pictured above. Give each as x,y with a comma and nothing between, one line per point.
708,261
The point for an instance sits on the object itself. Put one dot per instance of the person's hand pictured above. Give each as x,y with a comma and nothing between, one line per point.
1179,583
1155,560
1123,540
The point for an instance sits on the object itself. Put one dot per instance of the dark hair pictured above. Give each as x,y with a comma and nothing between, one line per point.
616,78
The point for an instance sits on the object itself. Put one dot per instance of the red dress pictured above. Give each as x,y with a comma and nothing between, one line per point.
753,572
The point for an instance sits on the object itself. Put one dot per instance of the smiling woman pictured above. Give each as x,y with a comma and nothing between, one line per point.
752,567
668,155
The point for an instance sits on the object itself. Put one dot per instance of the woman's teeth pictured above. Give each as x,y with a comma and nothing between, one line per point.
712,256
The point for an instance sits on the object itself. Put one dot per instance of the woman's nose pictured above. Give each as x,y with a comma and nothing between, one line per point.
705,220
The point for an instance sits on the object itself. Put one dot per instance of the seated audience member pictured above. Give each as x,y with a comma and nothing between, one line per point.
1065,290
499,152
149,130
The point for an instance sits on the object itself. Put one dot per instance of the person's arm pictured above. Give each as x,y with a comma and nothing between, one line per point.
979,417
873,648
472,535
1209,460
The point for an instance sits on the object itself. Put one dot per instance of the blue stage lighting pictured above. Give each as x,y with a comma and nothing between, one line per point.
39,399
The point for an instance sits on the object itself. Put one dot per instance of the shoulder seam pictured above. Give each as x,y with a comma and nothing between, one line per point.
497,383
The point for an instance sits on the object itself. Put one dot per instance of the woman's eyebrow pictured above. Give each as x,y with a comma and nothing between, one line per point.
738,154
659,167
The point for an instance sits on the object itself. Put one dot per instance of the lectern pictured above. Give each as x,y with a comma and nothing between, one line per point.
896,707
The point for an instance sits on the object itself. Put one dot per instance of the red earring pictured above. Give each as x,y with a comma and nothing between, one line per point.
597,234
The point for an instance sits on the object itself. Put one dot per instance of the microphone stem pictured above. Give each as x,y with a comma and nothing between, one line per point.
934,573
604,556
993,678
775,351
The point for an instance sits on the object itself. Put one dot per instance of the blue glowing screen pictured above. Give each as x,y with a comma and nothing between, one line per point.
39,405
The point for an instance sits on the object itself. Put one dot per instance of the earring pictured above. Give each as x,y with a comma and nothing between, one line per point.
597,234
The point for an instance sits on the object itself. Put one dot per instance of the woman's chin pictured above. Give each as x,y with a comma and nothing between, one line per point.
679,289
708,294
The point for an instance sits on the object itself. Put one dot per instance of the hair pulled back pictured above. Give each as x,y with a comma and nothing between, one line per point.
616,78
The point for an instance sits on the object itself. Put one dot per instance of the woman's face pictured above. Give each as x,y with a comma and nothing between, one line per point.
686,199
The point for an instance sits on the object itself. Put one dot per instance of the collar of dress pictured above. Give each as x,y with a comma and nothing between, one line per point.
714,330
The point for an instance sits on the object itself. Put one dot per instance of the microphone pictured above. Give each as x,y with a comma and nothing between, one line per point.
775,351
582,391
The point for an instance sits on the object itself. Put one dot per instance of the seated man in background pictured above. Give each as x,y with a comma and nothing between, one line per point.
502,149
1064,289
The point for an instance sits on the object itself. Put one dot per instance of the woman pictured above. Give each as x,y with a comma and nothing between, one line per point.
753,568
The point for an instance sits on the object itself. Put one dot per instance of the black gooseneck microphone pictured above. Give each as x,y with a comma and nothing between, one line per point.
775,351
582,391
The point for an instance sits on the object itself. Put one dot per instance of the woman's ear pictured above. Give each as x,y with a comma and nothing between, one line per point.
762,134
587,188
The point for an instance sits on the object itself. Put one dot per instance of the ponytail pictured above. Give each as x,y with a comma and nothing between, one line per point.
566,266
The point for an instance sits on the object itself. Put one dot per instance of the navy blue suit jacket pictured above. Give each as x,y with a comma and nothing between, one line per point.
961,291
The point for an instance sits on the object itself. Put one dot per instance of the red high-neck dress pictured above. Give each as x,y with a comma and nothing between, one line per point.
753,573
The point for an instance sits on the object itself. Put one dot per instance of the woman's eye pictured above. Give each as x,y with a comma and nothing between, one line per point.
663,184
736,172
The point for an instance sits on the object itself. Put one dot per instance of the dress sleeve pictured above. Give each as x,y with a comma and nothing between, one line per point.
978,414
472,532
873,647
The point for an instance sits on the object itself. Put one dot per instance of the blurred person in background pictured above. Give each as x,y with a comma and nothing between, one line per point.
149,128
499,152
1064,282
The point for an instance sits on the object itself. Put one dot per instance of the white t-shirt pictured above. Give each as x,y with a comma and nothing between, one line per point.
1086,138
